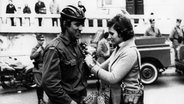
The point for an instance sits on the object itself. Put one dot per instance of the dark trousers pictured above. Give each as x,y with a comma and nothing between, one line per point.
78,97
20,21
39,92
12,21
39,21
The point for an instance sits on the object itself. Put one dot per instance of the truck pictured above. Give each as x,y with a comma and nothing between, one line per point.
155,57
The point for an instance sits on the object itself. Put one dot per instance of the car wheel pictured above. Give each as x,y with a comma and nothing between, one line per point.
149,73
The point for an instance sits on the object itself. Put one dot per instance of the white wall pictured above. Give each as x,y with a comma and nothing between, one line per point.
165,8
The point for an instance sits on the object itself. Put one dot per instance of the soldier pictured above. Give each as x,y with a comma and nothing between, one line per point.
36,55
152,30
10,9
64,76
176,36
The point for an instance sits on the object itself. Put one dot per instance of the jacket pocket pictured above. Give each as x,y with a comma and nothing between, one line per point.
71,62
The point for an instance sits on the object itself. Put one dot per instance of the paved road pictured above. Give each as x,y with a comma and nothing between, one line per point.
168,89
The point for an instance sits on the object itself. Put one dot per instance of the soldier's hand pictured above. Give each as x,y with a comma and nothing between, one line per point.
89,61
39,49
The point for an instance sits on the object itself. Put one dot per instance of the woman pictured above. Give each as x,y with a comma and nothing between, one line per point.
123,65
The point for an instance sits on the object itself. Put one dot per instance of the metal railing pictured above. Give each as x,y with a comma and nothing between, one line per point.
29,23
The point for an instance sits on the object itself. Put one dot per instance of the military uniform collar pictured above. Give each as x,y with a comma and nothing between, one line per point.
67,41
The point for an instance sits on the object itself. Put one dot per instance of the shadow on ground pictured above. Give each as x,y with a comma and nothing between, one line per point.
15,90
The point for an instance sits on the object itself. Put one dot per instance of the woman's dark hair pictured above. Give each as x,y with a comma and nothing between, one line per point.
122,25
180,39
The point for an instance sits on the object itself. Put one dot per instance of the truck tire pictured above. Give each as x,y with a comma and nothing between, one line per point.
149,73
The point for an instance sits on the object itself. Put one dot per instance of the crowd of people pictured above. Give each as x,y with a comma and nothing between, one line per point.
39,8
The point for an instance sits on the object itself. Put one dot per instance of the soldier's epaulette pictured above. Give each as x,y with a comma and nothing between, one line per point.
52,48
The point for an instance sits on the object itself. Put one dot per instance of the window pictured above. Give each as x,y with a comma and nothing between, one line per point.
99,22
90,23
108,2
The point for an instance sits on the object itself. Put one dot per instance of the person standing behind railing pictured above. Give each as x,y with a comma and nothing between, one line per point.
54,9
40,9
27,10
82,7
10,9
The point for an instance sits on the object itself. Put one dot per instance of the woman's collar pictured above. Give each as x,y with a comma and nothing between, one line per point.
127,43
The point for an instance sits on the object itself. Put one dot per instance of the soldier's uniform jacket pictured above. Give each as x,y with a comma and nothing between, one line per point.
38,62
10,8
153,32
64,71
176,33
37,56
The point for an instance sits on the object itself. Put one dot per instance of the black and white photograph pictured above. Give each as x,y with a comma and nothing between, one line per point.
91,52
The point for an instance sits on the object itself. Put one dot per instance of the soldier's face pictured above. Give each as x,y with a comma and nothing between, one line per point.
75,30
153,24
178,23
40,42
